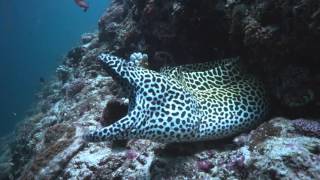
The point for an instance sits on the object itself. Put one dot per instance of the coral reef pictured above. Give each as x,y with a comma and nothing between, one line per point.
279,41
73,88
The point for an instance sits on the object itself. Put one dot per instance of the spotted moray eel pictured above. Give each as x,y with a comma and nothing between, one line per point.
185,103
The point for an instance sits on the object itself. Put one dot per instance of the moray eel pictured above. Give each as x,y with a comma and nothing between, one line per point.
185,103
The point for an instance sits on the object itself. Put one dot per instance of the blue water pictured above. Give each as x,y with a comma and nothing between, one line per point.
34,35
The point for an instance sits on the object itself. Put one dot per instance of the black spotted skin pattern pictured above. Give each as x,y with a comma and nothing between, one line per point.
185,103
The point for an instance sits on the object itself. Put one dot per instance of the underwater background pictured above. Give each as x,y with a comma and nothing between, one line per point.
53,85
34,37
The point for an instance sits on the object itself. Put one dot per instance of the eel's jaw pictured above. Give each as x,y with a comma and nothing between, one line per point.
120,130
109,61
121,70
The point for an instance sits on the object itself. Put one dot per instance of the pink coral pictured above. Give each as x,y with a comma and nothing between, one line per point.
131,154
204,165
236,163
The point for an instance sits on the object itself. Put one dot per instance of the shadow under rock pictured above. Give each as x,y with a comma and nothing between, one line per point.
190,148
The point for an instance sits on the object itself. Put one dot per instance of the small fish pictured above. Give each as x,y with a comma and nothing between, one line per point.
14,114
82,4
42,80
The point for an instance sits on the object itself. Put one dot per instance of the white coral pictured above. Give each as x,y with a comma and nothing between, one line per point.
138,57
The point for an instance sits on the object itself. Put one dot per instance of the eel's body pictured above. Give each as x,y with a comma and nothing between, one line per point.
184,103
